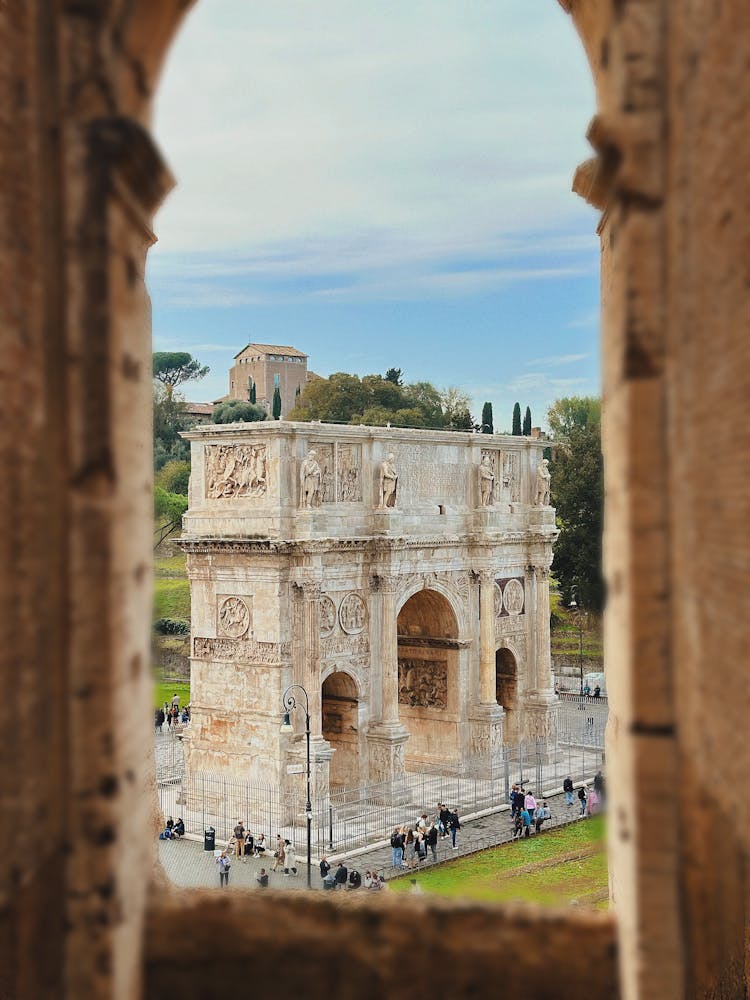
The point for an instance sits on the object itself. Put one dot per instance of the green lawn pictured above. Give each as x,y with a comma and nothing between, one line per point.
170,565
164,691
171,598
560,867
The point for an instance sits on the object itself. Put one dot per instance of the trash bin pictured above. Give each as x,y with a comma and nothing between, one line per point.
209,838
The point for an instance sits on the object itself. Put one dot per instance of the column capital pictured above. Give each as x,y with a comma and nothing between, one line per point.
309,590
382,584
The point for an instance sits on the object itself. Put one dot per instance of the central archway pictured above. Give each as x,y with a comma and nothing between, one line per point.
428,678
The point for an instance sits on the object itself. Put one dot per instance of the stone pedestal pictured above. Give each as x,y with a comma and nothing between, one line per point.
387,752
388,521
486,736
540,715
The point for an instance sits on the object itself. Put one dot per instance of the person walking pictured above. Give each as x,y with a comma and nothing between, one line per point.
455,826
599,787
526,820
278,854
431,841
529,803
568,789
224,865
445,815
290,858
592,804
397,847
239,838
517,801
582,797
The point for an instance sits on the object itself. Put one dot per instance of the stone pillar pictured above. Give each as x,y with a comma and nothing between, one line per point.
387,739
543,656
487,681
311,656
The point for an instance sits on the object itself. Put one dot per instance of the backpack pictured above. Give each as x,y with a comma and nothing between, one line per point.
395,840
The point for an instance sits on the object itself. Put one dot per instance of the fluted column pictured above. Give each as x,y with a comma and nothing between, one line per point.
389,652
543,658
487,681
311,655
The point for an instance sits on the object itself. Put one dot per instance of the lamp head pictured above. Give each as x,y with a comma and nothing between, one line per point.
286,724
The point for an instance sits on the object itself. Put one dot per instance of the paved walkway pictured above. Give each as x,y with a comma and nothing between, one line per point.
188,865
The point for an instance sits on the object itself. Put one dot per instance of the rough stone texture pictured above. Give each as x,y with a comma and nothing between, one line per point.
288,571
78,187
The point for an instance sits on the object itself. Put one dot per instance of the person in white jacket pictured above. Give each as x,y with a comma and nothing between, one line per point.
290,858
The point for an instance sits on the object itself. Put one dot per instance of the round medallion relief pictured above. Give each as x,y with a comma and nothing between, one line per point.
513,597
327,616
234,617
498,600
353,614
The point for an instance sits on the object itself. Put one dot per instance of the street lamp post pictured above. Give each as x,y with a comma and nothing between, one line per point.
290,703
574,608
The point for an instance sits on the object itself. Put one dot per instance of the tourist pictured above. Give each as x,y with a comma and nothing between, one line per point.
224,865
184,717
278,854
454,826
582,796
517,800
541,815
526,820
329,882
168,828
420,847
342,875
517,826
599,786
249,845
355,880
290,858
568,789
597,692
175,715
422,823
376,882
262,879
397,847
367,879
159,719
239,838
168,714
409,844
260,844
445,815
592,803
324,866
178,830
431,840
175,700
529,803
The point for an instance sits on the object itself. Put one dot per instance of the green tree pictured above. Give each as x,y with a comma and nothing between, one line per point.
253,392
169,507
516,429
172,368
276,404
487,427
395,375
174,477
170,418
527,422
233,411
577,492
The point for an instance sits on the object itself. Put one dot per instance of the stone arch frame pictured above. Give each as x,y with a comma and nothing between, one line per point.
88,72
456,603
362,719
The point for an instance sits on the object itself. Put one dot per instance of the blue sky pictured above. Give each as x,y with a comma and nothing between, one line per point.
381,184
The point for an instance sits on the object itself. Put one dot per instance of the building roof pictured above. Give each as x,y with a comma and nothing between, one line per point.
200,409
272,349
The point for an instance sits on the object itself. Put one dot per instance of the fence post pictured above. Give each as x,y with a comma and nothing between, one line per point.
539,768
506,772
330,827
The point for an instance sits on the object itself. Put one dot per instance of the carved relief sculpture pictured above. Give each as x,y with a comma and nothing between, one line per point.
349,473
353,614
423,683
486,475
388,484
310,482
513,597
234,617
498,600
511,477
235,471
327,616
325,459
542,484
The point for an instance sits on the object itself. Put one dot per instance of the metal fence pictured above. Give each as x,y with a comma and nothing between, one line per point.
348,818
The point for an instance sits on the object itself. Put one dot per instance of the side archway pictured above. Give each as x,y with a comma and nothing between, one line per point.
340,709
506,690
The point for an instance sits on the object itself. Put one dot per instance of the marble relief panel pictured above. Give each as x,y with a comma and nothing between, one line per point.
423,683
324,454
349,473
235,471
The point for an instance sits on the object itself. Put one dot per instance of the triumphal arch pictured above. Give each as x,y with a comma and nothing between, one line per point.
401,576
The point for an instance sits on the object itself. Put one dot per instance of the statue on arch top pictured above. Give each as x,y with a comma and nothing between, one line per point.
486,475
388,483
309,480
542,484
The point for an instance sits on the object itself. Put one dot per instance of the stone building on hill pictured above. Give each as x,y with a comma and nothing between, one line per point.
268,367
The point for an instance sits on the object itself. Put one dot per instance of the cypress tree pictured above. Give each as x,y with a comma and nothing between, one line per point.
253,394
487,427
527,421
276,408
516,419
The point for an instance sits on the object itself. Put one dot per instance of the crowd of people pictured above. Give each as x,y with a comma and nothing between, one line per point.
171,714
343,878
412,845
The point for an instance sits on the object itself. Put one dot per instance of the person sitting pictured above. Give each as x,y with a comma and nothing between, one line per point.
167,835
376,882
260,844
249,845
262,879
355,880
178,830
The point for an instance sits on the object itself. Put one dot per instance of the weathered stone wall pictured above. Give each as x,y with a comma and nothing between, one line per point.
80,183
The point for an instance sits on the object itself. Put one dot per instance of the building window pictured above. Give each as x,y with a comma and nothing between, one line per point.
276,381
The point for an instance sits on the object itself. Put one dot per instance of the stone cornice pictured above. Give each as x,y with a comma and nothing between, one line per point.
369,544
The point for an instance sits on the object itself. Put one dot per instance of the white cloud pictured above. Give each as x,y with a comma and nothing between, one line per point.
555,360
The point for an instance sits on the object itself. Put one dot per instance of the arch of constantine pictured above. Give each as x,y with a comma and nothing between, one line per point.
400,576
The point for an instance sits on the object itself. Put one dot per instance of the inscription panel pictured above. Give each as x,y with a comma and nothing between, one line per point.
423,683
423,480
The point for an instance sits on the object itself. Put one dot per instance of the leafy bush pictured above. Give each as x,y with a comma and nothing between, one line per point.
172,626
173,477
237,411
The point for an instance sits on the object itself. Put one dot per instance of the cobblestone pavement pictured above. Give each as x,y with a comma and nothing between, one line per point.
188,865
